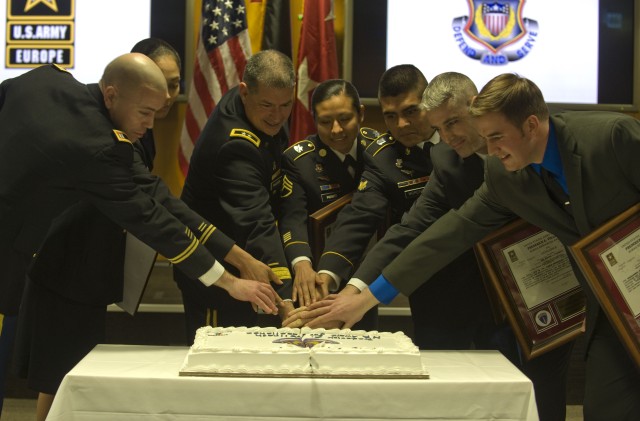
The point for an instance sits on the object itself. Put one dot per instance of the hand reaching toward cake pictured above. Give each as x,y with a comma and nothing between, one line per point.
304,284
300,317
296,318
348,308
251,268
322,285
258,293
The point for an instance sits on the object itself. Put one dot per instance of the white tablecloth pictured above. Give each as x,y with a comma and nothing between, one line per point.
124,382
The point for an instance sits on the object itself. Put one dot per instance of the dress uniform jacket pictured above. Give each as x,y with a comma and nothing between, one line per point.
393,178
235,181
314,178
79,271
599,153
59,146
455,296
83,258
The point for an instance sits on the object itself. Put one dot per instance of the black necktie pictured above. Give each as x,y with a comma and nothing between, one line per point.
427,149
350,165
555,190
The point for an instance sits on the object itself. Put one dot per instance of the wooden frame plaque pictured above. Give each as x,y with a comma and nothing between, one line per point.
530,271
609,258
321,224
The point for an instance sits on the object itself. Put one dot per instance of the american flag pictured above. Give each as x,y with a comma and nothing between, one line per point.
221,55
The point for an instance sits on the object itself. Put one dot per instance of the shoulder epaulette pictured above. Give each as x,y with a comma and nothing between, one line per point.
60,68
246,135
369,133
121,136
299,149
380,143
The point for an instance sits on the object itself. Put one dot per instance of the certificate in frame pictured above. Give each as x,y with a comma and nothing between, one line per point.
609,258
533,279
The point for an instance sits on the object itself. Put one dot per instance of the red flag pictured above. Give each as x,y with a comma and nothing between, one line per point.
221,55
317,62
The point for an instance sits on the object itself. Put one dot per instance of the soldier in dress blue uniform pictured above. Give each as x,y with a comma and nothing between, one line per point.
65,142
318,171
79,269
235,182
397,167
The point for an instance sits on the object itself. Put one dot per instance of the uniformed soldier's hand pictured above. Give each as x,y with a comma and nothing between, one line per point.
304,283
322,285
251,268
296,318
347,308
285,308
258,293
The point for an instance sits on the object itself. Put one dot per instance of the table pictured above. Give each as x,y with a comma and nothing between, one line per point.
126,382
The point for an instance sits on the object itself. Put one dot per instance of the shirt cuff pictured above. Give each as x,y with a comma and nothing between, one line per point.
358,283
211,276
299,259
383,290
335,277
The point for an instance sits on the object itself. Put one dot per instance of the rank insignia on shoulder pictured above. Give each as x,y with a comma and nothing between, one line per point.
121,136
368,133
299,149
379,144
60,68
362,185
246,135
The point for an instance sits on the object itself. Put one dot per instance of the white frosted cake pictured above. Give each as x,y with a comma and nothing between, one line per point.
285,351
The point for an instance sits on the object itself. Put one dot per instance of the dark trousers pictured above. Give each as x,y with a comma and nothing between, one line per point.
612,389
548,373
7,335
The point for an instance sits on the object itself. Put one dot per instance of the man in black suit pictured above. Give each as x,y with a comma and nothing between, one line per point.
235,181
592,157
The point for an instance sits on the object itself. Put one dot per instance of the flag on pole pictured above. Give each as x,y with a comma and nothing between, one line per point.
317,62
277,27
269,24
256,10
222,51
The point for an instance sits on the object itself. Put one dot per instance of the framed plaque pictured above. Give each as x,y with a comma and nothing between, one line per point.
609,257
321,224
532,277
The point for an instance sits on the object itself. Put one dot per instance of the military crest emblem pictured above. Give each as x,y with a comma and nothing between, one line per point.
495,32
495,24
